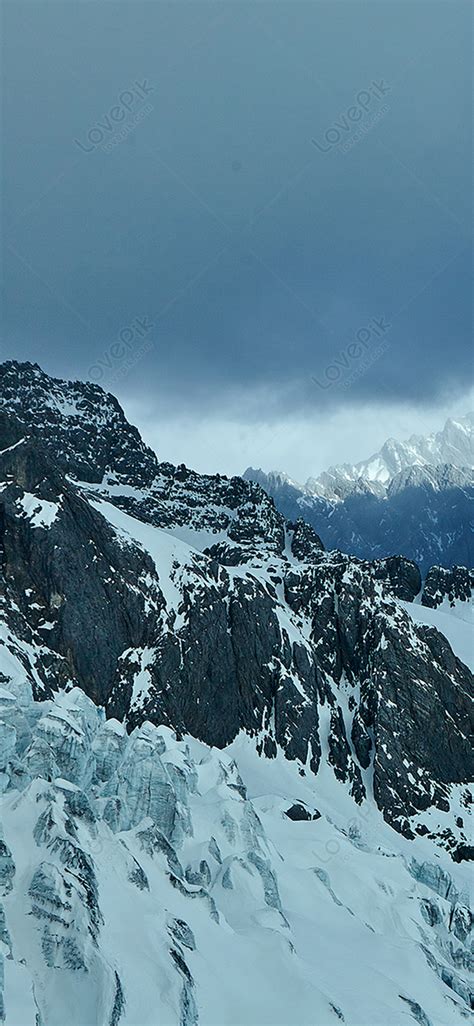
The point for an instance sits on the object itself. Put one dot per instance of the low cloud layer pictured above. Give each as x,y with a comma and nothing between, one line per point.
300,445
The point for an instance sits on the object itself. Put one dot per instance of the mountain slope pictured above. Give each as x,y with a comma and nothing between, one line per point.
253,632
150,618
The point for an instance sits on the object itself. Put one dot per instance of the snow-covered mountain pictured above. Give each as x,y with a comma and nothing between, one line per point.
219,800
452,445
413,498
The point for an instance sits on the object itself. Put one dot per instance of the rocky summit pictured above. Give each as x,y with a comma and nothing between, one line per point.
226,753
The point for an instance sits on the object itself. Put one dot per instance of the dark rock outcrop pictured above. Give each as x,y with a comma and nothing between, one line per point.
454,585
299,812
404,576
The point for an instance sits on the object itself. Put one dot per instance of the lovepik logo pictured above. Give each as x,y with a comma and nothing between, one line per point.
103,130
122,354
340,130
352,353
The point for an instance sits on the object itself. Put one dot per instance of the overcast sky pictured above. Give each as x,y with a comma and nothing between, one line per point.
248,220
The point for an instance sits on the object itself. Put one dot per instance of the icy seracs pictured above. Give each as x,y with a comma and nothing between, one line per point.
145,879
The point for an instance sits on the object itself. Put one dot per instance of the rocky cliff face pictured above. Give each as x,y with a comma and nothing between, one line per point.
447,586
255,630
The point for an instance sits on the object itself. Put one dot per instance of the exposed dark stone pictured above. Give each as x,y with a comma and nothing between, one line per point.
404,576
361,740
87,587
456,584
463,853
74,443
340,756
300,812
305,543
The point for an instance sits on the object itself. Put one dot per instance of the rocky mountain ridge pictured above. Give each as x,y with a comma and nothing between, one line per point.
146,608
204,610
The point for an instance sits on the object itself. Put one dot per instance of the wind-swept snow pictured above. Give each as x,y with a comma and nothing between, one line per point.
456,625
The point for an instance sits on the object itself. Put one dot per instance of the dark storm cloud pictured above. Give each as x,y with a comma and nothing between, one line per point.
209,200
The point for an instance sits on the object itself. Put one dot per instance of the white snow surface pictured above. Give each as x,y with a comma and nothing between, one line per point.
39,512
170,555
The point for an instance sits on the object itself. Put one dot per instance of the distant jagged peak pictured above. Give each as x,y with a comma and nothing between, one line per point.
439,477
452,445
276,478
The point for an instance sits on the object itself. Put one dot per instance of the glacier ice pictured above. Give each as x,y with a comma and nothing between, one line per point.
144,879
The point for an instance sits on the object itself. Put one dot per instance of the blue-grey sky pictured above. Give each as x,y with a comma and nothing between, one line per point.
250,220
